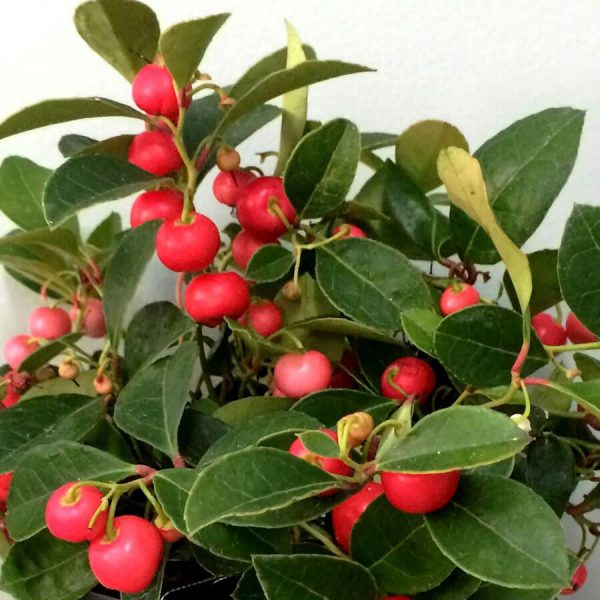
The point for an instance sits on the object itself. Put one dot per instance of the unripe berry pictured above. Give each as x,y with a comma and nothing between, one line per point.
361,426
291,291
68,370
155,152
228,185
103,385
228,159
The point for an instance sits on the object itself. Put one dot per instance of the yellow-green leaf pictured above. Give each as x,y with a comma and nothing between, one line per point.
295,103
463,178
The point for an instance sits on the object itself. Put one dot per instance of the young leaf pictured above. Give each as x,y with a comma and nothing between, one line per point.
418,147
577,265
259,432
183,45
500,531
420,325
44,469
87,180
398,550
308,577
483,355
525,167
321,169
370,282
63,110
269,263
151,405
295,104
546,289
45,567
43,420
21,187
124,272
279,82
251,482
123,32
459,437
463,178
329,406
152,331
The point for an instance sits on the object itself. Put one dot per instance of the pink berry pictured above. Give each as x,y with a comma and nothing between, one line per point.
49,323
297,375
17,349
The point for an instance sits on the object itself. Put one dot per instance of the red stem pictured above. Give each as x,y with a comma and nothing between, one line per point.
521,358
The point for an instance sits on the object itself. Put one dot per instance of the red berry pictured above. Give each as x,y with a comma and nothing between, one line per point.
5,480
577,581
398,598
340,377
352,231
245,244
254,213
413,375
265,317
297,375
49,323
212,296
155,152
335,466
188,247
129,561
228,184
11,397
159,204
550,332
68,513
154,92
93,324
167,531
458,296
577,332
420,493
17,349
345,515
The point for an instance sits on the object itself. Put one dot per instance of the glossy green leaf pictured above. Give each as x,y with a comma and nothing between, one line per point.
310,577
373,140
48,351
418,147
459,437
500,531
45,567
549,470
585,393
370,282
285,80
62,110
458,586
329,406
270,263
87,180
124,272
588,365
198,431
44,469
338,325
480,344
525,167
398,550
239,412
260,431
295,103
104,234
21,187
151,405
61,242
374,357
152,331
73,143
123,32
248,587
419,327
546,290
320,444
496,592
57,386
183,45
312,304
117,146
577,261
251,482
321,169
43,420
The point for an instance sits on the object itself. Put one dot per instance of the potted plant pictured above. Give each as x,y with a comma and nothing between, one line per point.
329,408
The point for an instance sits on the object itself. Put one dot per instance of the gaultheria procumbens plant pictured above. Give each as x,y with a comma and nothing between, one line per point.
328,408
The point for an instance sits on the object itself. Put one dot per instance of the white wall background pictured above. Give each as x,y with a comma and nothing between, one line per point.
479,64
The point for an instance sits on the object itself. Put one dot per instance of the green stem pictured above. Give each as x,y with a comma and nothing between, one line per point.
153,501
573,347
321,535
512,390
